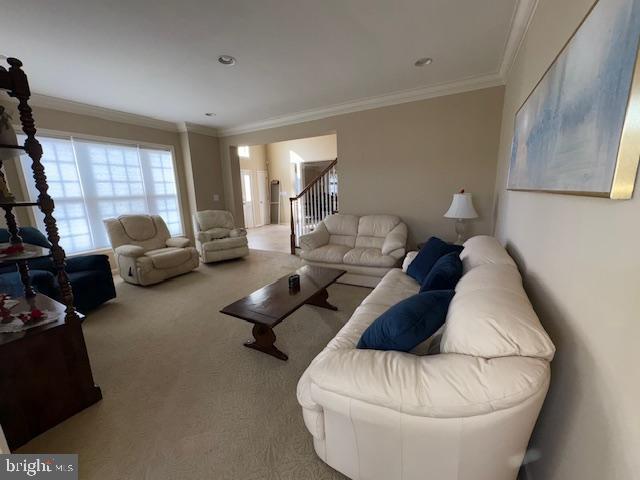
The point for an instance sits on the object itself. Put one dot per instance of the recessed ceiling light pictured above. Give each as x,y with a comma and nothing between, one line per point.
423,61
210,114
226,60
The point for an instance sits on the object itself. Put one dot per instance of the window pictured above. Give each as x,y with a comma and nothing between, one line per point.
243,151
90,181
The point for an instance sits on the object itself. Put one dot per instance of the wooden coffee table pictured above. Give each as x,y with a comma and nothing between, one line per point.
270,305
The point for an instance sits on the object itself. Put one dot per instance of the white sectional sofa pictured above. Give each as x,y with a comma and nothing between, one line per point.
366,247
464,413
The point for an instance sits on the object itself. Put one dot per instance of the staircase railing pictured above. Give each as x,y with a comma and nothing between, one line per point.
314,203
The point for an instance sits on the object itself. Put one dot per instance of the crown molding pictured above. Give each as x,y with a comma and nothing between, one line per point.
368,103
520,22
45,101
196,128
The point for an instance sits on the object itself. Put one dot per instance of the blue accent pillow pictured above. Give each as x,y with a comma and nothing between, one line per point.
428,256
28,234
408,323
445,273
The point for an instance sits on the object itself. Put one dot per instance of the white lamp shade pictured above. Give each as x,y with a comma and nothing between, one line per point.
461,207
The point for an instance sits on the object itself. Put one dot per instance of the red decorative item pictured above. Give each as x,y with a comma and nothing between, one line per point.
16,248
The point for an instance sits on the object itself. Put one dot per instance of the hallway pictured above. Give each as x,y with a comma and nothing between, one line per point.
274,238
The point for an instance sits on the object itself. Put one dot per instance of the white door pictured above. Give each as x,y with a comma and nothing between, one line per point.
247,198
263,197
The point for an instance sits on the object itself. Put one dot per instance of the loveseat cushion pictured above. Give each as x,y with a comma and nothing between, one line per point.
428,255
342,229
326,254
368,257
168,257
373,229
445,274
408,323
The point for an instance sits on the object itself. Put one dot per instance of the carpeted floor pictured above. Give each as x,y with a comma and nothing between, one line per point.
183,399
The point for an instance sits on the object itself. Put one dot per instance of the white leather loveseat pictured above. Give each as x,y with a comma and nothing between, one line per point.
145,252
366,247
465,413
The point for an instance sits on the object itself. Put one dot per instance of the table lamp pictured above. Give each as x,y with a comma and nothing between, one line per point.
461,209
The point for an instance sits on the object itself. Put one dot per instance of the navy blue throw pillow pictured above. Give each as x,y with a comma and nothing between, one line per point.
408,323
28,234
445,273
428,256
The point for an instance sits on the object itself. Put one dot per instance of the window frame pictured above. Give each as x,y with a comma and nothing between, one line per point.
66,135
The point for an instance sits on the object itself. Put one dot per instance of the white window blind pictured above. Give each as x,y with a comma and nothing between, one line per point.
91,180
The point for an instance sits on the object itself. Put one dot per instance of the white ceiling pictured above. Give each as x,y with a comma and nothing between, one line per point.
158,58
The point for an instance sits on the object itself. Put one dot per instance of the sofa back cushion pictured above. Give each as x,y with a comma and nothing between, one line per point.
146,231
342,229
28,234
208,219
490,315
373,229
483,249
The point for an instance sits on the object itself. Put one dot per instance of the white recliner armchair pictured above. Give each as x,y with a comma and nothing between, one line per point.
145,252
217,237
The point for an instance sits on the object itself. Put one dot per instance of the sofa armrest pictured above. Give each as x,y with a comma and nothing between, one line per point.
411,256
179,242
133,251
396,239
315,239
88,262
444,386
238,232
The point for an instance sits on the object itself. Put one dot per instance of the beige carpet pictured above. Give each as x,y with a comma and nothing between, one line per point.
183,399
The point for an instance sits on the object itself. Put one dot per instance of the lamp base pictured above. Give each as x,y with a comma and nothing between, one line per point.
461,231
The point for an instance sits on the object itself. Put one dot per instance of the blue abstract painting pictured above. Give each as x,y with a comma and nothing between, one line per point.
567,133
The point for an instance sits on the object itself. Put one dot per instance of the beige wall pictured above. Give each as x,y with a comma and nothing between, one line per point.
280,154
404,159
582,270
202,162
257,159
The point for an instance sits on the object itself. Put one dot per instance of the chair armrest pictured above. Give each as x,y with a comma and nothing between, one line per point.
315,239
180,242
88,262
396,239
133,251
445,385
238,232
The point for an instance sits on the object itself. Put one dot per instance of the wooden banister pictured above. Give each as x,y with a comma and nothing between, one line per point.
317,200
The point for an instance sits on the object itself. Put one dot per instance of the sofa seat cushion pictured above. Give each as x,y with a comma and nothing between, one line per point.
394,287
168,257
224,244
369,257
326,254
408,323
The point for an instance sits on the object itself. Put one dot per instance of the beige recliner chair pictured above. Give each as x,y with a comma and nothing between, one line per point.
217,238
145,252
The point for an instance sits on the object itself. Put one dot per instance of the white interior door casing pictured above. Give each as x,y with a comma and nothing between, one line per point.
263,197
247,197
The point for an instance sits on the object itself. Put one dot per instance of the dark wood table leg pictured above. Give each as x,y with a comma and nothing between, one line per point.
264,341
320,300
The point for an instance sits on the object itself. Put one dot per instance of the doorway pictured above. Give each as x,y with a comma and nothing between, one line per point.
270,175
